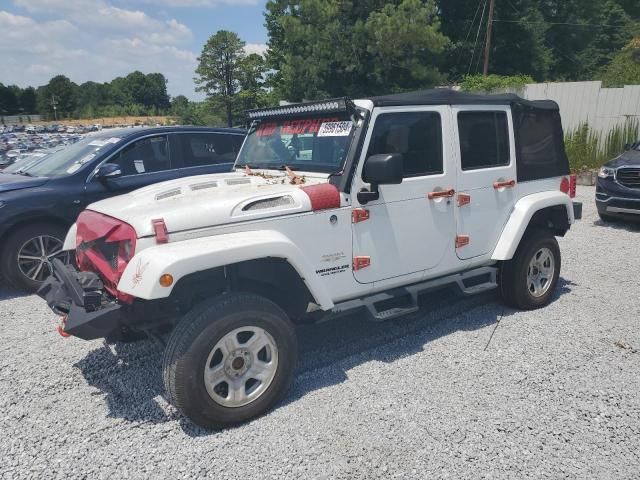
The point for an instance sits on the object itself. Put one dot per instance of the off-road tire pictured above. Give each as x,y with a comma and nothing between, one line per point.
14,242
513,273
196,335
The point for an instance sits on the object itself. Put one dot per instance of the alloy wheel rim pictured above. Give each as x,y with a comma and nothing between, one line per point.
241,366
540,272
36,254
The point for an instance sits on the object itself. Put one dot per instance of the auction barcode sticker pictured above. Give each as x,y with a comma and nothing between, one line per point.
335,129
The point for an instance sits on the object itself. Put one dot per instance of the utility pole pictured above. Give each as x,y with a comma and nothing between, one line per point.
54,104
487,47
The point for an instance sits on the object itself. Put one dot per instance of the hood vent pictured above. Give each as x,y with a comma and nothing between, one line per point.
203,186
269,203
238,181
168,194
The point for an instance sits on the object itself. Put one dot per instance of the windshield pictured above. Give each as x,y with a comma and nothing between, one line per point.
65,161
314,144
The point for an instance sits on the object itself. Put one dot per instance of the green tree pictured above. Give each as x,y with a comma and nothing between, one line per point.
252,93
219,69
609,38
28,100
550,40
518,40
180,105
321,48
624,69
9,101
59,92
412,28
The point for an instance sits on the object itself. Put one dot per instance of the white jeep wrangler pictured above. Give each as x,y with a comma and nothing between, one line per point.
333,206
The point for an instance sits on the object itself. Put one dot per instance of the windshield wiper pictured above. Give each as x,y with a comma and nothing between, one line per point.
23,173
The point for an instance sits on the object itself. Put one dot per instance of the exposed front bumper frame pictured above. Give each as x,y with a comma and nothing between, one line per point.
89,313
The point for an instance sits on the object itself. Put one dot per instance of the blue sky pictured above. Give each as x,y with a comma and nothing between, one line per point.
101,39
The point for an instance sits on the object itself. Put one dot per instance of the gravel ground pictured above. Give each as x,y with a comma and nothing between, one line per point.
553,394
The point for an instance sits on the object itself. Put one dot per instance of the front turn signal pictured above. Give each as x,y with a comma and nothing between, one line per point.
166,280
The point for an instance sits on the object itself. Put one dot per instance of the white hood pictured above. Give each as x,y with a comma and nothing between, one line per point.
208,200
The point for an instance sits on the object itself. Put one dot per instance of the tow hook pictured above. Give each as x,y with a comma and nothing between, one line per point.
61,328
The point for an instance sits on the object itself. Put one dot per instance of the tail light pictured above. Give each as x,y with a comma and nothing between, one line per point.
573,180
105,245
568,186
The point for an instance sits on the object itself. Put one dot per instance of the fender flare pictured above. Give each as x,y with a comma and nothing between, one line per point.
520,217
141,276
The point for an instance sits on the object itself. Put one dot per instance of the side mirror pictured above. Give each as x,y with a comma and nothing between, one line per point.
383,169
107,171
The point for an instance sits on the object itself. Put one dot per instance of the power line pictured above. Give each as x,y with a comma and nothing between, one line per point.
469,31
473,53
526,22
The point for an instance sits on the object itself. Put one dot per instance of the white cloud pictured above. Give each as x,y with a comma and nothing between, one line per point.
259,48
94,41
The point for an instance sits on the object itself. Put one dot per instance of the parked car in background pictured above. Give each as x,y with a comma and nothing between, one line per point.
618,187
40,199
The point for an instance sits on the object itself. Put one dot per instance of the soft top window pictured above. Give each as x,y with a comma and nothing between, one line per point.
540,144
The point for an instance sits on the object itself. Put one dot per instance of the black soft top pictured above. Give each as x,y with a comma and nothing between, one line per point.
444,96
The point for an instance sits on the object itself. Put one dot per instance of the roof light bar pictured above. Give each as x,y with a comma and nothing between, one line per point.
339,105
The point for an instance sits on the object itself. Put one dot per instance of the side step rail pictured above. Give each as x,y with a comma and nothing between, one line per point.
405,299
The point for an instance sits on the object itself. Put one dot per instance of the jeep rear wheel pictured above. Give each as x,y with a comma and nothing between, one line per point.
529,279
229,360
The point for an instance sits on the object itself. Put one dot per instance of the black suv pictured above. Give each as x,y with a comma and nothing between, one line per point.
618,187
40,199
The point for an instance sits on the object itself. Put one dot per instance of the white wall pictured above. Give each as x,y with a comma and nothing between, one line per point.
580,102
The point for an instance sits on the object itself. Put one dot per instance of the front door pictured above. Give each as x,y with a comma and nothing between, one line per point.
487,188
408,230
143,162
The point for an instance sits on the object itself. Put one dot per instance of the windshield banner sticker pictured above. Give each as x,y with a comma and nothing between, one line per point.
335,129
296,127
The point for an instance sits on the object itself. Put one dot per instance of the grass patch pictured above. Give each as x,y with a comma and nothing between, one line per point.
588,149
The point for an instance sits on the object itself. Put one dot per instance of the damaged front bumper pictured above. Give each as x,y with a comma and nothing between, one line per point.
88,312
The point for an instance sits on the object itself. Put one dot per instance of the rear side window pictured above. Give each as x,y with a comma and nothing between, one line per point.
416,135
484,139
201,149
540,144
146,155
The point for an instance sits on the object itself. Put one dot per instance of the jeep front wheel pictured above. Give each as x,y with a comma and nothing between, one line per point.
229,360
529,279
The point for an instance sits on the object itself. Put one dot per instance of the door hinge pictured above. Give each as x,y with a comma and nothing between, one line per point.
361,262
464,199
359,215
462,241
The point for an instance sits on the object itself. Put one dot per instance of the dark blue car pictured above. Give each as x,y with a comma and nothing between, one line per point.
618,187
40,199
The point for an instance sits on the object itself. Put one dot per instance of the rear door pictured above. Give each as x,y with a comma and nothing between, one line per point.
487,188
407,231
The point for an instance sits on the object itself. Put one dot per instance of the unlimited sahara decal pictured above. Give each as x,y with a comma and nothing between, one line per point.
323,272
